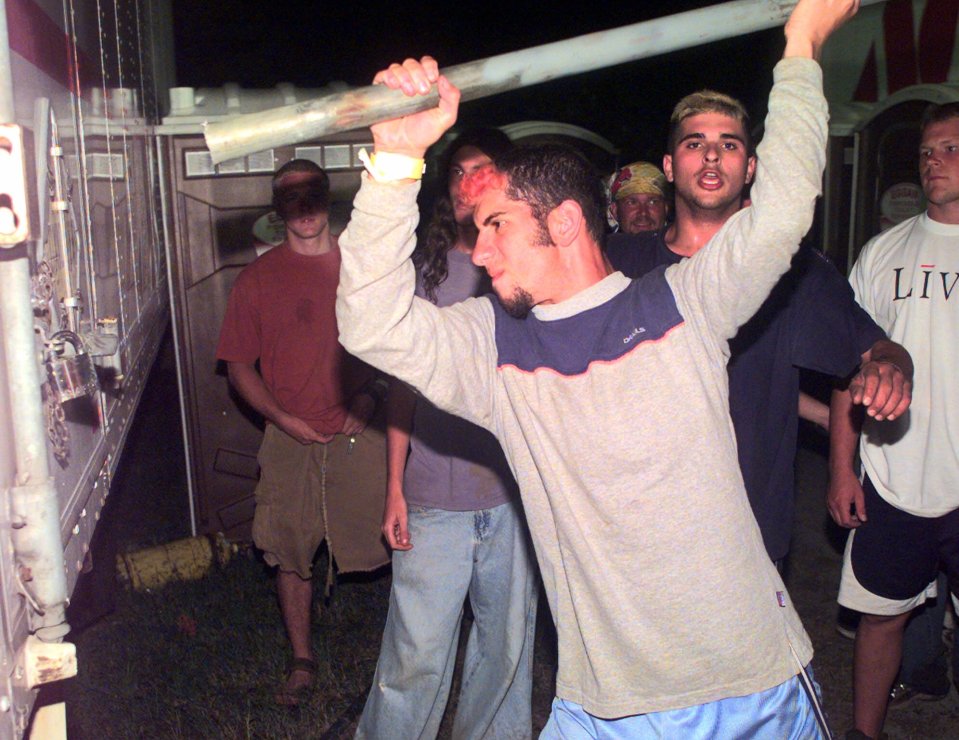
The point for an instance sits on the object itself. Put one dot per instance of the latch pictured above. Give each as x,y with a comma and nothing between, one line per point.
14,221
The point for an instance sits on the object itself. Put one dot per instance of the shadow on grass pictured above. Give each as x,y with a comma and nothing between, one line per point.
203,659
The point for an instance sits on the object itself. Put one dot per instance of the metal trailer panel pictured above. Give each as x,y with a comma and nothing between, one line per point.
85,78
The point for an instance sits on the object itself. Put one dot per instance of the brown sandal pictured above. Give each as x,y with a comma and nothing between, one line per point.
292,697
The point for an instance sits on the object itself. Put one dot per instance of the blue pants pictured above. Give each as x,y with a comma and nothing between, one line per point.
484,554
923,657
784,712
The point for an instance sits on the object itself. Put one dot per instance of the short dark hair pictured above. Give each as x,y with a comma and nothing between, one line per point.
937,114
545,175
300,165
707,101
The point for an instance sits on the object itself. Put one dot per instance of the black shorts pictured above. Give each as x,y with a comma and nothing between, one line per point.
894,556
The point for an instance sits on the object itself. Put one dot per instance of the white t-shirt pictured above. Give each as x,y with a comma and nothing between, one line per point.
907,278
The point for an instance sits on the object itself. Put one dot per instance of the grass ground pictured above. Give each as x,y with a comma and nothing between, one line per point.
202,659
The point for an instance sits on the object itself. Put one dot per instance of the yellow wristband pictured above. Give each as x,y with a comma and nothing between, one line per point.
389,167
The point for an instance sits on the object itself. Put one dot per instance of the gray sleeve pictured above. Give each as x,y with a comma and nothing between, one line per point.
447,354
728,280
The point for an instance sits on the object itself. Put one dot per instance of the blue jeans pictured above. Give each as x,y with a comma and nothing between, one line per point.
923,653
484,554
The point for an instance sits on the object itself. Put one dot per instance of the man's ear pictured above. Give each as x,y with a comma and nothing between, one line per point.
750,169
668,166
565,223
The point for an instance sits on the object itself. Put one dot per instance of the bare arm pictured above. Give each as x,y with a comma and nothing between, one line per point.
814,410
399,421
845,494
883,384
249,384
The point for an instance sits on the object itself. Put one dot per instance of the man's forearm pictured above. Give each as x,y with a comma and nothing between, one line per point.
444,353
400,404
845,421
249,384
813,410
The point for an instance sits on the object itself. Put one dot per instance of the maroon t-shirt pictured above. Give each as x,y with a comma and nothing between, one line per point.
282,312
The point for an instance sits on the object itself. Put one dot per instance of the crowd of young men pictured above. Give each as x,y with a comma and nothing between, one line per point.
664,522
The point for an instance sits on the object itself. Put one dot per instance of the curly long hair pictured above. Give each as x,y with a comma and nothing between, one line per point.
440,235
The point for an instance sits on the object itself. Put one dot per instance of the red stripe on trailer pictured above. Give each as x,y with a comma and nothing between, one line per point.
937,36
902,66
38,39
867,90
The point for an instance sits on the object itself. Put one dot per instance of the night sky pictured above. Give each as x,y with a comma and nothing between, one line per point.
260,44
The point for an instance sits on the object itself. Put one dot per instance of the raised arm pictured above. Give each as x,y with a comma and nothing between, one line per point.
445,353
743,261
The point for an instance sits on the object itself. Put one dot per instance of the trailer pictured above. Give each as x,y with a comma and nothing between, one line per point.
84,301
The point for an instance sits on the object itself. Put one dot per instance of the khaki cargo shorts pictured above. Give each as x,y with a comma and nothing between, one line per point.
308,493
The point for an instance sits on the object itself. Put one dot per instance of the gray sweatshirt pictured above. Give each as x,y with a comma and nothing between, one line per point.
612,408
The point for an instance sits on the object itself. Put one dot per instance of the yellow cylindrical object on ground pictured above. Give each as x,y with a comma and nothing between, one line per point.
181,560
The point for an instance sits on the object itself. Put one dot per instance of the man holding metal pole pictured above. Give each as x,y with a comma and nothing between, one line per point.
636,521
454,521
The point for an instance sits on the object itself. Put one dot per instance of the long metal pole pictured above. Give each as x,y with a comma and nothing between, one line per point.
364,106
